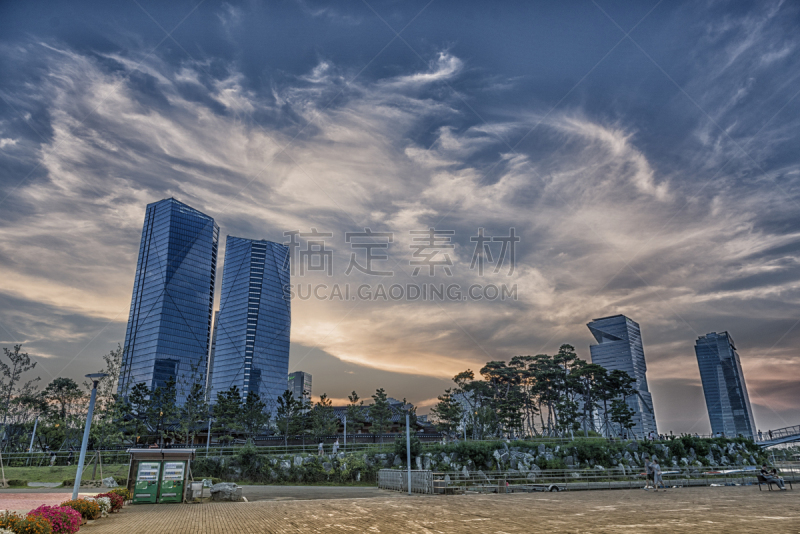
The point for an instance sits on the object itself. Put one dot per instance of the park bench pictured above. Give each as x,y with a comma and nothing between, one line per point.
762,480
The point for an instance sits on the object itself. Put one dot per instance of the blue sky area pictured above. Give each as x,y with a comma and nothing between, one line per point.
644,152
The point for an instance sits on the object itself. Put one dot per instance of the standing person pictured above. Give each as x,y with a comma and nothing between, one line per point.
648,470
52,459
336,446
657,476
320,450
760,436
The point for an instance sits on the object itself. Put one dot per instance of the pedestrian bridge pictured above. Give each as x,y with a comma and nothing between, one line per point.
788,434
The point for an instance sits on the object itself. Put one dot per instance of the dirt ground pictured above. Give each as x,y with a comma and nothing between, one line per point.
706,510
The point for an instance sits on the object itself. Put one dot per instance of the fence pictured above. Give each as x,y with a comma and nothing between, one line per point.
572,480
397,480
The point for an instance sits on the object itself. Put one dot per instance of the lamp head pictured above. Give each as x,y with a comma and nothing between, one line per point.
96,376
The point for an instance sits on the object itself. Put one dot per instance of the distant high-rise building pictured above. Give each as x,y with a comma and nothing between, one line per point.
723,385
169,327
251,338
300,385
619,347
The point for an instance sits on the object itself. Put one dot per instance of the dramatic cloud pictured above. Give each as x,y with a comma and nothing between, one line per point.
701,235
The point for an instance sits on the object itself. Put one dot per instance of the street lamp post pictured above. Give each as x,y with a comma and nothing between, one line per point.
408,450
95,378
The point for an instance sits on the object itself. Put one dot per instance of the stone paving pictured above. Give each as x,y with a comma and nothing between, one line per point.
706,510
25,501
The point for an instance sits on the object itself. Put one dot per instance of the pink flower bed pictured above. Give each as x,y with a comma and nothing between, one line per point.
64,520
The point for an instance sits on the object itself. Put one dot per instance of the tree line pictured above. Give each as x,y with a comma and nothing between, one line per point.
542,395
149,415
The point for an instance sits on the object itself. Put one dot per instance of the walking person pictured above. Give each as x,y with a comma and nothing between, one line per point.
336,446
657,476
320,449
648,471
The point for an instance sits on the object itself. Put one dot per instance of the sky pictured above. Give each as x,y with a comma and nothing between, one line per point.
644,153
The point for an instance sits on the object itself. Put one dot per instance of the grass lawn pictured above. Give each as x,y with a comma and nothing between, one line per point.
60,473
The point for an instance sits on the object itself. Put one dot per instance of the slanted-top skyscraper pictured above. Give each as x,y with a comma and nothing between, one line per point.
251,338
620,348
169,327
300,385
723,385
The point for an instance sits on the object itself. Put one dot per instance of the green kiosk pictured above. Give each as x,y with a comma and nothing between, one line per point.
159,475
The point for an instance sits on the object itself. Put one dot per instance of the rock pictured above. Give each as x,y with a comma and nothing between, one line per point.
447,480
298,461
692,454
535,469
614,462
628,457
633,446
724,460
465,471
226,491
418,461
397,461
285,465
109,482
358,476
446,459
481,475
541,448
570,461
549,456
426,462
327,466
710,458
685,461
600,468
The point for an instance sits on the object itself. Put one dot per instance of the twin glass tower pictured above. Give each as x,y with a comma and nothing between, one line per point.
169,332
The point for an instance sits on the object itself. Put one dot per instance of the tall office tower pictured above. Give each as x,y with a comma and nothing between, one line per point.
723,385
300,385
251,348
619,347
169,327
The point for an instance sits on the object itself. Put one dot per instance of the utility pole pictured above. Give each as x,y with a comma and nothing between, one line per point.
345,432
95,378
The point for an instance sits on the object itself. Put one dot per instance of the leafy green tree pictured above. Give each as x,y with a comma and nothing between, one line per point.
253,417
288,416
65,395
355,413
324,422
18,364
195,409
136,409
380,413
227,419
400,446
448,412
162,410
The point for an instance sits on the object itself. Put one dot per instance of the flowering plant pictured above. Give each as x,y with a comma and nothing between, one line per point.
8,519
88,508
33,524
6,531
116,500
104,503
122,492
63,520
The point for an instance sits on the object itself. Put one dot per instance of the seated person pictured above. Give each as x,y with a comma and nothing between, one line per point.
772,476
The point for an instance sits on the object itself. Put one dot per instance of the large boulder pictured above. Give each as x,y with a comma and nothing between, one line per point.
397,461
298,461
226,491
109,482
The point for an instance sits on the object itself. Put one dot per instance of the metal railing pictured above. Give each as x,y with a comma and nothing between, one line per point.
397,480
585,479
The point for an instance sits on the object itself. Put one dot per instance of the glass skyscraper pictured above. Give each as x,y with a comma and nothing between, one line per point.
251,338
619,347
300,385
169,326
723,385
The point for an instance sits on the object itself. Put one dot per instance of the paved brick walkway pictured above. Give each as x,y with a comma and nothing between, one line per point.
27,501
701,510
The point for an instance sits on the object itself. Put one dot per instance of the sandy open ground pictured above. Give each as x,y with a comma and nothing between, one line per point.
706,510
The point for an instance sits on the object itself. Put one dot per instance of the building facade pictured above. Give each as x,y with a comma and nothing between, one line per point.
300,385
169,326
723,386
619,347
251,338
